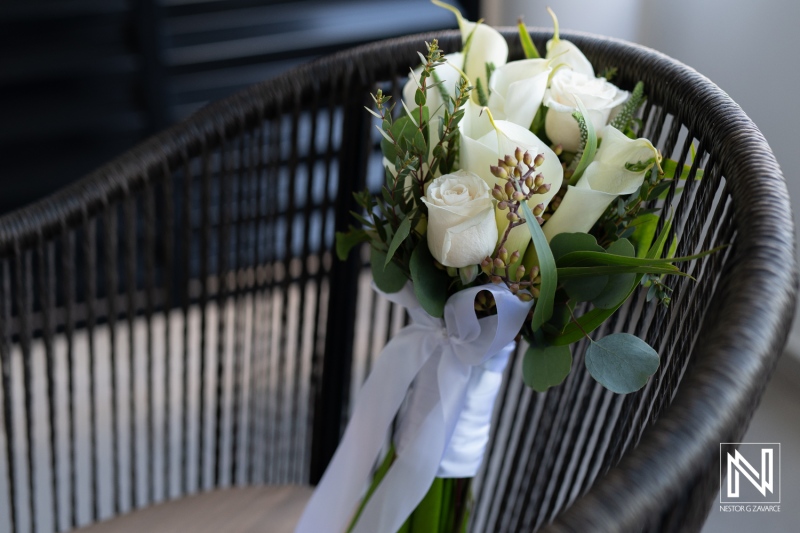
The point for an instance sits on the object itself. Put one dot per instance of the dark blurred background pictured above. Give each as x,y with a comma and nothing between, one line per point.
83,80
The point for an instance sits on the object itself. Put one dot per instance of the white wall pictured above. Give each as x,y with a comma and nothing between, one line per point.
618,18
750,49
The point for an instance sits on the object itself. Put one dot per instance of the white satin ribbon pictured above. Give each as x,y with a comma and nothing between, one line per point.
444,353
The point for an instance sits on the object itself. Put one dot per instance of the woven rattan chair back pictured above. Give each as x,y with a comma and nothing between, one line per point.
177,321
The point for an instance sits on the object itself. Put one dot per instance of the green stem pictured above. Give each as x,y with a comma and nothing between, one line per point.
426,517
379,475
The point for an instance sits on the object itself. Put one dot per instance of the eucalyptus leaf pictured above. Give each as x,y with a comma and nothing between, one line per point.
564,243
401,127
388,277
430,283
546,366
419,97
347,241
621,362
578,289
543,309
399,236
585,289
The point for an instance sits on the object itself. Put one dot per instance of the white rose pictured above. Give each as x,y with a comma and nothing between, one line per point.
604,179
598,96
517,90
461,226
483,143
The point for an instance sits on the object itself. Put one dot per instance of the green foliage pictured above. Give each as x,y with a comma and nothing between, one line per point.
483,97
537,124
609,73
588,142
670,168
388,276
399,236
578,289
543,309
623,119
591,320
430,282
545,366
618,286
565,243
376,480
427,515
527,43
644,231
621,362
347,241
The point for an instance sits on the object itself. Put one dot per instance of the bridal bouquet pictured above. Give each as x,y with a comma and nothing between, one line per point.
519,206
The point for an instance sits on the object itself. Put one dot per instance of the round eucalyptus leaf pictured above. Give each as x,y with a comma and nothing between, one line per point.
621,362
430,283
388,278
564,243
545,367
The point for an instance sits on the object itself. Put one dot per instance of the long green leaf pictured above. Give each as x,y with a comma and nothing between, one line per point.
574,259
590,321
565,273
547,270
527,44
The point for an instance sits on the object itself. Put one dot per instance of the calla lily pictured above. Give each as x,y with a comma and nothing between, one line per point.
517,90
484,141
486,45
604,180
563,52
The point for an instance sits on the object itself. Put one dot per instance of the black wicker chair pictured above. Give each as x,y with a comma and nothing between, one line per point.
176,322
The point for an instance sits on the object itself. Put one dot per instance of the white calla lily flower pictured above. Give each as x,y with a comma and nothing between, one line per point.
563,52
484,141
517,90
604,180
486,45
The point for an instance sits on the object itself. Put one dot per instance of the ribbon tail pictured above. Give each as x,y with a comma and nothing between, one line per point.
409,478
333,503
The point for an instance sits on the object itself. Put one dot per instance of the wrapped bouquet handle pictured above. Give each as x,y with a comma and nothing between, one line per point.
444,353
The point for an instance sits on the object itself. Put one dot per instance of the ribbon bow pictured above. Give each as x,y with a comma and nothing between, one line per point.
443,353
